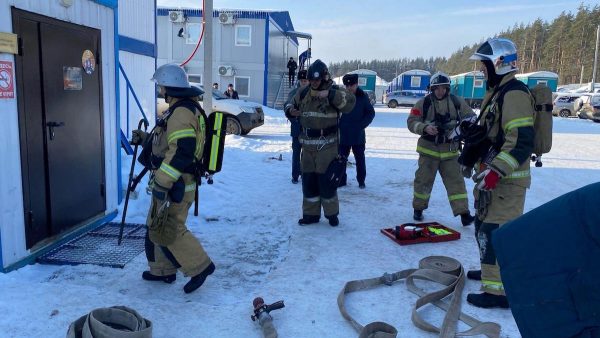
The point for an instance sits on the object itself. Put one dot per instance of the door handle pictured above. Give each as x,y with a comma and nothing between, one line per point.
51,125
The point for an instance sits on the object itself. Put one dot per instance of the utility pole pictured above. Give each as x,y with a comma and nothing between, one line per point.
581,76
595,58
207,16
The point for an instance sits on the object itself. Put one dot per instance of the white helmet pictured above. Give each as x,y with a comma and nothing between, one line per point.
439,79
501,52
171,75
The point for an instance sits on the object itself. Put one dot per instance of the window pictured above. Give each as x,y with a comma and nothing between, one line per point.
243,35
192,33
415,81
362,81
195,78
478,83
544,82
242,85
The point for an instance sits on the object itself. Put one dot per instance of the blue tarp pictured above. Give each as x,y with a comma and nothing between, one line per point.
550,265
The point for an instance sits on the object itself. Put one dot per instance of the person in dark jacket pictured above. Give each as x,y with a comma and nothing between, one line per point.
295,128
352,128
231,93
291,66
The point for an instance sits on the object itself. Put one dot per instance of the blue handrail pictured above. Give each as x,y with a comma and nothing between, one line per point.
130,89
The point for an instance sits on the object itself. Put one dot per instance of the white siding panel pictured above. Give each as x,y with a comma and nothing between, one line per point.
139,70
86,13
136,19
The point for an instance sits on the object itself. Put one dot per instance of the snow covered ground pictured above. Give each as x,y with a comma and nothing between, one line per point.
248,225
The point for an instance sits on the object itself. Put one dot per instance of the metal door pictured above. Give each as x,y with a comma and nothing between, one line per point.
69,120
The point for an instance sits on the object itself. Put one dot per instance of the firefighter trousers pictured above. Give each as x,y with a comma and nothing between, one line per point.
316,189
170,246
452,178
505,203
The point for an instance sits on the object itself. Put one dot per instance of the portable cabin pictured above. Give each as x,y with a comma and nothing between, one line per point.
366,79
470,86
415,80
531,79
251,48
68,69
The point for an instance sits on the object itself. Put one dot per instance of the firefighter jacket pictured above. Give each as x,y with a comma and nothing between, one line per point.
295,127
319,116
180,144
353,124
510,131
442,114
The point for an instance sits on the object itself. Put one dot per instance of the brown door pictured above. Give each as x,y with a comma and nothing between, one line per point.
60,113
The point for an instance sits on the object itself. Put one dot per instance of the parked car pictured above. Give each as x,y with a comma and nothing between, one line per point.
401,98
242,115
564,105
371,95
589,107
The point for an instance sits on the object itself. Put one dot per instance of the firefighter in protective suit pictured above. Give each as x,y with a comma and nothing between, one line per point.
434,117
499,147
177,144
318,106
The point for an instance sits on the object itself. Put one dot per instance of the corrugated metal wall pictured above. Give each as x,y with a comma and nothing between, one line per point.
82,12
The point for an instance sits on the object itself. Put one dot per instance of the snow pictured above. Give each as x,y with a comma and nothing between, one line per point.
248,225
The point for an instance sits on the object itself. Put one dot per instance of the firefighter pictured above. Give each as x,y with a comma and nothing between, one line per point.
177,144
319,106
499,146
434,117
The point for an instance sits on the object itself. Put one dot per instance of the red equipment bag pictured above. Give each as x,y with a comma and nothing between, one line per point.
414,233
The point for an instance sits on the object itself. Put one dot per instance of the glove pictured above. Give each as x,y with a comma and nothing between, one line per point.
159,192
138,137
489,179
466,171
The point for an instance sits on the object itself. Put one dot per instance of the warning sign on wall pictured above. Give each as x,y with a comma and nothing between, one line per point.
7,87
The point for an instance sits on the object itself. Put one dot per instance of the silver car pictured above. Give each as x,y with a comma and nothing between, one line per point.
401,98
564,105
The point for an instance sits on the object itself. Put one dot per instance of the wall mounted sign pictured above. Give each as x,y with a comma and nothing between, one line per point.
8,43
88,61
7,86
72,78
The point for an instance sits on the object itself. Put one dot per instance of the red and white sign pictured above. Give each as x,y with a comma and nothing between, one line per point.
7,86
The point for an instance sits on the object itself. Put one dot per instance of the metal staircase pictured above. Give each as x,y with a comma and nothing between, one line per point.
282,93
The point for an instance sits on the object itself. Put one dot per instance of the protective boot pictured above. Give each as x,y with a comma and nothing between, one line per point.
474,274
418,215
199,279
466,219
308,219
487,300
333,220
146,275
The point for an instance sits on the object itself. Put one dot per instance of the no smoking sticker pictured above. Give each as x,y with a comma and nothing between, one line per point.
7,88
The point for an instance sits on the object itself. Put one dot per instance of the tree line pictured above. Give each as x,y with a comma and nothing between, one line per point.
564,46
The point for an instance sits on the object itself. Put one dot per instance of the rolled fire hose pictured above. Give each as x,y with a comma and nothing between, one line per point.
112,322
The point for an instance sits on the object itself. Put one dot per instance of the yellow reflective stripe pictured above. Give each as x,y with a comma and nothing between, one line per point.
181,134
312,199
442,156
170,171
492,284
438,231
506,157
214,149
520,122
199,145
421,196
519,174
190,187
457,197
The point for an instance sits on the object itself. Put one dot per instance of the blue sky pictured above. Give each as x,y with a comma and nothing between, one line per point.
385,29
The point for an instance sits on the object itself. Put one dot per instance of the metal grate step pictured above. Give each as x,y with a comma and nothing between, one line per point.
99,247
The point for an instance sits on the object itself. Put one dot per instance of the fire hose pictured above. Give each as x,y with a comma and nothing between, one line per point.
443,270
